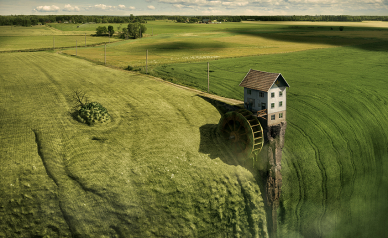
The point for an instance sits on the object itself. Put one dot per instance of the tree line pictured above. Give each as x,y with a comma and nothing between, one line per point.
28,20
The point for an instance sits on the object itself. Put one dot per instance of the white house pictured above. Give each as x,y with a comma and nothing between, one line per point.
263,90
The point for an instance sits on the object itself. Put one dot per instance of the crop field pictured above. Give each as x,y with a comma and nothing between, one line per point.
140,175
41,37
158,168
335,160
174,42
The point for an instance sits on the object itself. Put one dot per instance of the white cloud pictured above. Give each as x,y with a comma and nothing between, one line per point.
132,8
52,8
235,4
151,7
69,8
122,6
105,7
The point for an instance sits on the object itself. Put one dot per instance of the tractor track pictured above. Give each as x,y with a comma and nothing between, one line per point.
323,173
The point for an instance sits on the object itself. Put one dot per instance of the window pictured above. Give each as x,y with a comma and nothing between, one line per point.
249,91
281,115
272,95
272,105
261,94
280,103
263,106
280,94
272,117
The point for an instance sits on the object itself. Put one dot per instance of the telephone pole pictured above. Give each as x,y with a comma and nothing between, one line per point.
147,62
105,55
208,77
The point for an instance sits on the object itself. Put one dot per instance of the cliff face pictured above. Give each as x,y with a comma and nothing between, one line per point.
275,141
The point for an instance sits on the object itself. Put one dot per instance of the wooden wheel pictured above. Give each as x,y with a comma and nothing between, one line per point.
242,132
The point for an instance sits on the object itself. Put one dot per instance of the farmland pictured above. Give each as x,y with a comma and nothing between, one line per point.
172,42
158,161
41,37
140,175
335,156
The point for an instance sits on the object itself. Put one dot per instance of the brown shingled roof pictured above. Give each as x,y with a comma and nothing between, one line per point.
259,80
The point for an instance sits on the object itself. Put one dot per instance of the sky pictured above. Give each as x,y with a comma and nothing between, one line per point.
194,7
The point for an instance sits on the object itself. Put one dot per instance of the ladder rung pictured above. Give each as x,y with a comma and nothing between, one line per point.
258,138
255,125
258,143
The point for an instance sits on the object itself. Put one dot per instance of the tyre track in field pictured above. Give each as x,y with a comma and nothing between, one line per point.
301,190
323,173
338,157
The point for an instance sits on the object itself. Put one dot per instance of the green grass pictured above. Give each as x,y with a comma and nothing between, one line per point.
335,157
146,173
180,42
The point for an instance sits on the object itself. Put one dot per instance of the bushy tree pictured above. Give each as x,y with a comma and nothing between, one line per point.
101,30
136,29
110,30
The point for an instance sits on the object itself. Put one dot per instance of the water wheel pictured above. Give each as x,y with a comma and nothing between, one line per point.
242,132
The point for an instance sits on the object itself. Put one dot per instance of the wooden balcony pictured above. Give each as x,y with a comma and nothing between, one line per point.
262,113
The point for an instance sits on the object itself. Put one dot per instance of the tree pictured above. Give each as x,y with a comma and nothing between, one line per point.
101,30
136,29
110,30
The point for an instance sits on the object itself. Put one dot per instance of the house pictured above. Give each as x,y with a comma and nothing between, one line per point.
206,21
265,93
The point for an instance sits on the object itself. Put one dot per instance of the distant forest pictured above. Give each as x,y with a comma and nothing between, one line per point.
28,20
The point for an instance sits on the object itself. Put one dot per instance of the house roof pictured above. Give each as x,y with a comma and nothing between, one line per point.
260,80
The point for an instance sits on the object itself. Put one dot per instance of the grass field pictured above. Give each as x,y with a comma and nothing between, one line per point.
141,175
158,168
335,160
174,42
41,37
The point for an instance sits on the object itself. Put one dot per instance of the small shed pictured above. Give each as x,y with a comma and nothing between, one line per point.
265,93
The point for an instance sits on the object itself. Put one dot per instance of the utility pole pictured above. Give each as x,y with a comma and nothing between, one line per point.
75,47
152,31
147,62
85,39
109,37
53,42
105,54
208,77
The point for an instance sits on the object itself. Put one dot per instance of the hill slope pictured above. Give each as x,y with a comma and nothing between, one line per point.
141,175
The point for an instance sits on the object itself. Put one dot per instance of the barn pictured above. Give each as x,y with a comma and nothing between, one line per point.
265,94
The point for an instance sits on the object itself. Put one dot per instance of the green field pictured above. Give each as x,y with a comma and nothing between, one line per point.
175,42
158,168
335,157
141,175
42,37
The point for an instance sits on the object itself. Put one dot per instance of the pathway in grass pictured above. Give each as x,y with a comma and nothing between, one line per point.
335,157
140,175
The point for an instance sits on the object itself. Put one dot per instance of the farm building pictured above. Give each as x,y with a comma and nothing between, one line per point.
265,93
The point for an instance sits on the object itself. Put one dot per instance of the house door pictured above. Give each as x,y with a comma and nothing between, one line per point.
262,106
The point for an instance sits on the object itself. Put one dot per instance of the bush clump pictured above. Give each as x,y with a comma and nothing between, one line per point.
92,113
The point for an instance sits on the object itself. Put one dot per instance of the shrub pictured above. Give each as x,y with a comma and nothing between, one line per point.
92,113
341,28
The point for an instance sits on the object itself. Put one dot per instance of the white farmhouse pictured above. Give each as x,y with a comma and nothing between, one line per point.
265,93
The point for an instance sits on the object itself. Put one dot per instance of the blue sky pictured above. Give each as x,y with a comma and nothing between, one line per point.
194,7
